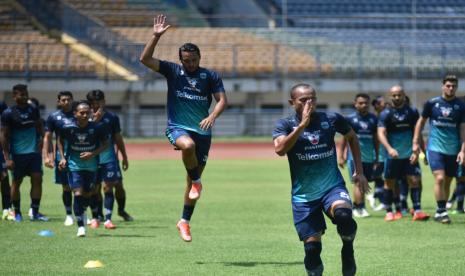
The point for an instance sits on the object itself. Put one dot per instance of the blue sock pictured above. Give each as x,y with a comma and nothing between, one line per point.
441,206
67,197
121,203
93,203
388,199
379,191
460,192
187,212
193,173
35,204
6,197
79,207
397,205
415,195
312,255
109,201
99,202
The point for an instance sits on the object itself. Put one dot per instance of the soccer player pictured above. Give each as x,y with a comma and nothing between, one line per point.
307,137
446,143
395,131
109,170
190,92
21,128
5,181
55,121
84,140
364,125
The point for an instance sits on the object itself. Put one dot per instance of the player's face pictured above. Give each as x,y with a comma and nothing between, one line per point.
190,61
65,103
97,104
380,105
82,114
361,105
20,97
397,96
449,89
301,96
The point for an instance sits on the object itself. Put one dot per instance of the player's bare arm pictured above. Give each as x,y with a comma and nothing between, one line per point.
159,28
283,144
89,154
61,150
221,103
47,150
382,137
341,153
416,142
358,177
461,155
5,137
121,147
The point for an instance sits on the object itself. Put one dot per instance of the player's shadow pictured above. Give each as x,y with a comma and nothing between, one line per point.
125,236
252,264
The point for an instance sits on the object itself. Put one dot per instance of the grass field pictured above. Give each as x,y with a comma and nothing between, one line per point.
242,226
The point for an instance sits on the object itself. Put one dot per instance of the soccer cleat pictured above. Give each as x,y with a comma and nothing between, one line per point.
18,217
69,220
420,216
398,215
364,213
94,223
125,216
389,217
442,218
184,231
371,200
318,271
356,213
196,190
458,212
109,225
81,231
8,215
39,217
380,207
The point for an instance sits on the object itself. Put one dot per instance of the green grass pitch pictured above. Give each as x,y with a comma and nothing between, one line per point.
241,226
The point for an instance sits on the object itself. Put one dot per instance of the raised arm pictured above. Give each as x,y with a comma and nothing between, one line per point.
159,28
221,103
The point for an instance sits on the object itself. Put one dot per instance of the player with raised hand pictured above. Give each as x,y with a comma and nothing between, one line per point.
191,89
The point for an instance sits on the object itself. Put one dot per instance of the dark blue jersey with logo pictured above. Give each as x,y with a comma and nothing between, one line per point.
189,95
22,122
55,122
312,160
366,128
445,118
399,124
112,124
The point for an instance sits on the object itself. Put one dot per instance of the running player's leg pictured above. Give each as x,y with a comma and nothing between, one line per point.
442,182
391,174
120,195
35,169
61,178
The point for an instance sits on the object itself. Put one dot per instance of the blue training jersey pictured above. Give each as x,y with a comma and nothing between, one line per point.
55,122
312,160
189,95
366,128
113,126
81,140
3,107
445,118
22,122
399,124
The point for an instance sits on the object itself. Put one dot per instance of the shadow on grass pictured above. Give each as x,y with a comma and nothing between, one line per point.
252,264
124,236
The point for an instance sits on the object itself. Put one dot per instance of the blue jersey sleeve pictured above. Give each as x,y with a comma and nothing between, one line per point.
6,118
415,117
383,118
341,124
50,124
116,127
216,83
281,128
167,69
427,109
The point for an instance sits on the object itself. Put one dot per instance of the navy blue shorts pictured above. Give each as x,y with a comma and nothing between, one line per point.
308,216
202,142
61,176
399,168
82,179
26,164
439,161
367,170
109,172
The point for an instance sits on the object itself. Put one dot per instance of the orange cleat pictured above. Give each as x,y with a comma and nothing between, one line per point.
195,191
420,215
94,223
389,217
184,231
109,225
397,215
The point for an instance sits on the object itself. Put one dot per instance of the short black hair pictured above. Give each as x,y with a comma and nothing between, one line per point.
64,93
78,103
362,95
376,100
20,87
95,95
35,102
300,85
450,78
189,47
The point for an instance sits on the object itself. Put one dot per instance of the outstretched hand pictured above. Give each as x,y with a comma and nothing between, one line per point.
159,26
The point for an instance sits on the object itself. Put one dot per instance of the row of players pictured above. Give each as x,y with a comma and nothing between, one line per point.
90,138
391,142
